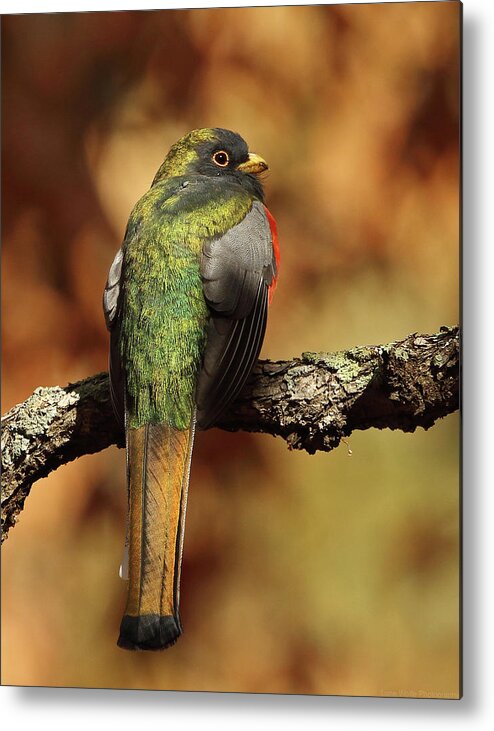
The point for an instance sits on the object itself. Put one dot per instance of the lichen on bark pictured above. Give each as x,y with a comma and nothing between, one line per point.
313,402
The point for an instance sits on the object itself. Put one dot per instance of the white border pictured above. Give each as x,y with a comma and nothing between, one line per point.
57,6
56,708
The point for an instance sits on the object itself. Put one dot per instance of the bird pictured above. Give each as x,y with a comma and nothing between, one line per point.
185,303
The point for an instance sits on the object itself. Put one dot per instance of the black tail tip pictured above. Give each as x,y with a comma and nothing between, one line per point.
149,632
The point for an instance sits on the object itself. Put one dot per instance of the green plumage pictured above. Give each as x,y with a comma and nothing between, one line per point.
186,305
164,313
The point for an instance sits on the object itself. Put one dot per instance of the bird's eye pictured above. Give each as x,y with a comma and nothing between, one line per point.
221,158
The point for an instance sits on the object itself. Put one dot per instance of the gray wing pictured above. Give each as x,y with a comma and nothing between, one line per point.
111,308
237,270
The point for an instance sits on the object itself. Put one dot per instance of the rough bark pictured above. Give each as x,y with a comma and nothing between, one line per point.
313,402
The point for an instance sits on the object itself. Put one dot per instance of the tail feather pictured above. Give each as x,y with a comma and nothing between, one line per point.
158,476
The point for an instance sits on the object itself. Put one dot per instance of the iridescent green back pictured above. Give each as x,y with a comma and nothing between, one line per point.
164,313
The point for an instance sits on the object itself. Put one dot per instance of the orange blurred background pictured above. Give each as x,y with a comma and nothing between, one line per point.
332,573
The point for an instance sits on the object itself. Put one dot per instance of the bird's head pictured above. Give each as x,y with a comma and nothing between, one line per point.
214,153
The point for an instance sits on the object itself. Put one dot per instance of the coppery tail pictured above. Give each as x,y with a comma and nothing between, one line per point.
158,459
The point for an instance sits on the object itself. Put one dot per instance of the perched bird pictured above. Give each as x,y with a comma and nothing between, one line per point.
186,305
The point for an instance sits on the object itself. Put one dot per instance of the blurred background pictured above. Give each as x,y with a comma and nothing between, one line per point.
335,573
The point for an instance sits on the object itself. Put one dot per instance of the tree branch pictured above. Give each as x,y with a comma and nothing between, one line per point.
312,402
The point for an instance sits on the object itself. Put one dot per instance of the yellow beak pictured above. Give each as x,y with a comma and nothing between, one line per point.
254,164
